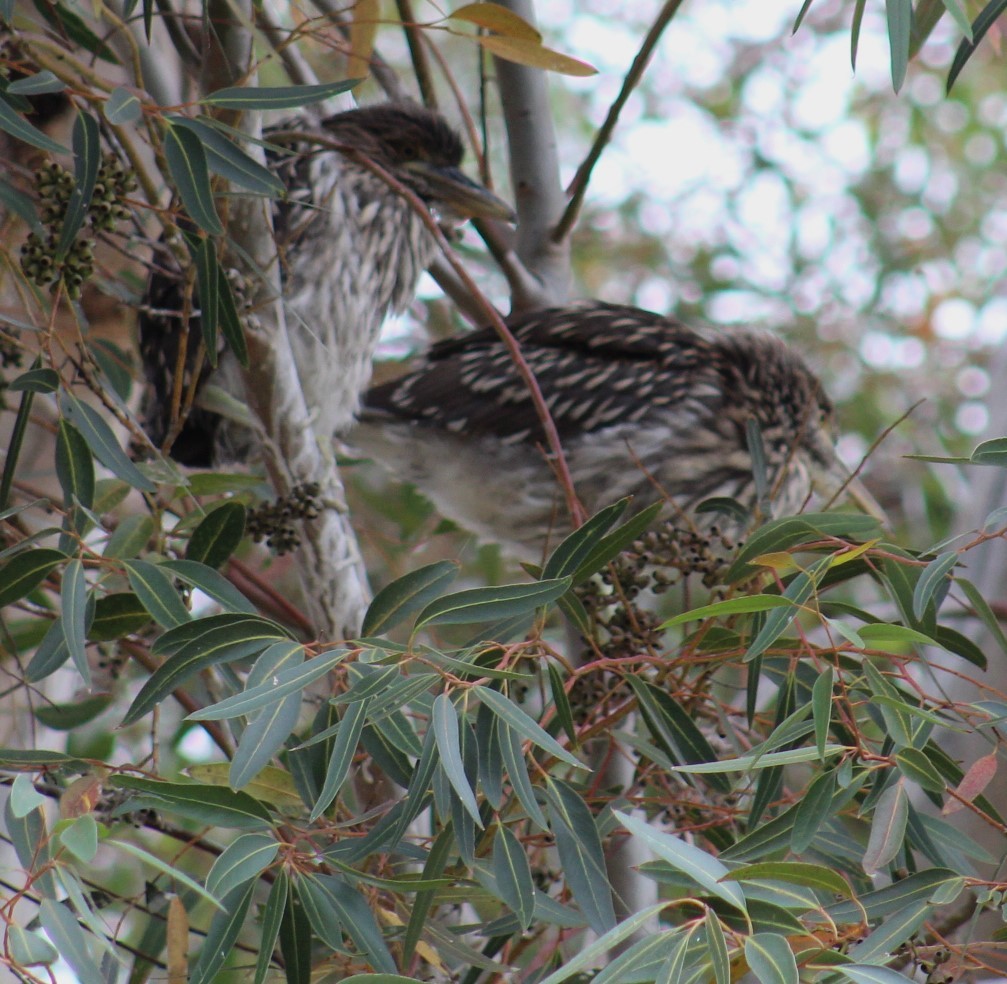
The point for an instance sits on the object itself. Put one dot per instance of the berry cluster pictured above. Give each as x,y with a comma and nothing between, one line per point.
41,258
274,521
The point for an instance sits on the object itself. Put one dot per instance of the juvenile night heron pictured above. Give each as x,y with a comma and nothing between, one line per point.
644,406
351,249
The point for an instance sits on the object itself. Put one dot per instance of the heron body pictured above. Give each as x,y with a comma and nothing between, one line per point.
351,250
644,406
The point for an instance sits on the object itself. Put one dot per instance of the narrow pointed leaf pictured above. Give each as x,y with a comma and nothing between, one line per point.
211,583
524,725
581,855
445,726
770,958
102,442
229,161
272,919
122,107
517,769
489,604
218,534
244,858
222,935
704,869
86,161
513,875
395,602
888,827
187,164
931,579
25,572
74,616
20,128
343,750
276,97
156,593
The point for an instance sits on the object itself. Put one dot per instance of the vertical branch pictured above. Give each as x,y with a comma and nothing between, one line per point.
332,573
534,161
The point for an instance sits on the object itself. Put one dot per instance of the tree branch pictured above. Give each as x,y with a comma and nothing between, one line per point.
534,161
578,186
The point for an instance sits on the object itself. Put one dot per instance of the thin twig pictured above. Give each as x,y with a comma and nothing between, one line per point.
578,187
417,53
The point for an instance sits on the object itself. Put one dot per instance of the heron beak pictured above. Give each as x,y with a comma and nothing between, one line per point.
450,187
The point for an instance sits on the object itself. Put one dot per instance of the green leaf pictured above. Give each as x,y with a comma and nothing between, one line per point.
18,127
67,22
915,765
23,207
187,164
228,160
35,381
204,258
956,9
272,918
30,949
224,644
900,22
23,797
343,749
733,606
67,717
983,612
560,700
821,707
87,160
612,544
869,974
575,549
488,604
117,615
444,722
209,805
287,681
157,593
174,639
746,763
25,572
74,616
673,729
129,538
812,811
524,725
230,323
122,107
218,534
222,935
581,855
266,733
102,442
800,589
986,19
513,875
62,928
405,595
705,870
718,948
880,634
36,84
80,838
888,827
590,956
513,758
782,534
770,958
278,97
74,465
244,858
930,580
330,903
211,583
794,873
